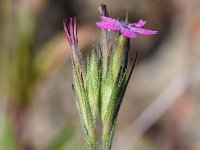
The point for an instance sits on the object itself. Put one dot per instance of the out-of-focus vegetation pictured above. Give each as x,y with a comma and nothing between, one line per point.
161,107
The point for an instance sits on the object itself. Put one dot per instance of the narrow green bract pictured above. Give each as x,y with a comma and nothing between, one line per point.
87,98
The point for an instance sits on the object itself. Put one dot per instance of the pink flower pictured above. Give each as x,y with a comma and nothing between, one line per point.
129,30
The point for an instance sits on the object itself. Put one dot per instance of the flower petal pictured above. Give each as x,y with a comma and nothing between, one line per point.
143,31
140,23
108,23
105,25
128,33
107,19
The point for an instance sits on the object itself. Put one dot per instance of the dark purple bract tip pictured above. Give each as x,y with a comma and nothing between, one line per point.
71,31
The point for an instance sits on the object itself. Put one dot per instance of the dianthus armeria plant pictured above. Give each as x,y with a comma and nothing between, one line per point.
100,83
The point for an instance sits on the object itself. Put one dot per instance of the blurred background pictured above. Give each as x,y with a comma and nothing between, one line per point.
161,107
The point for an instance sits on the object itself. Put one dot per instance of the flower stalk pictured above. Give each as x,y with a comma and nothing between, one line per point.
100,83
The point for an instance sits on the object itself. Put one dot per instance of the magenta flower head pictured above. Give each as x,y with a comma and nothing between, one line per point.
129,30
